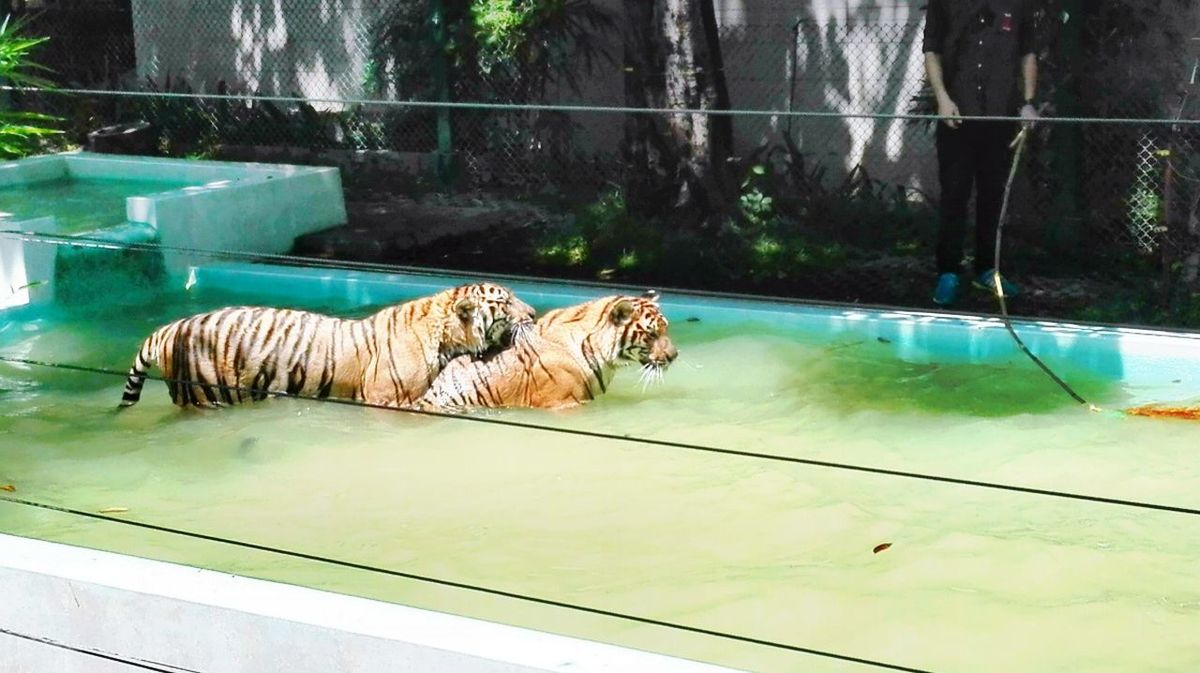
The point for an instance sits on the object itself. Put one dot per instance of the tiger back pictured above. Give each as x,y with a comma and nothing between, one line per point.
566,359
239,354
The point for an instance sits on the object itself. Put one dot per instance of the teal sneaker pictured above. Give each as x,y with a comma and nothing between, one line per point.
947,289
987,281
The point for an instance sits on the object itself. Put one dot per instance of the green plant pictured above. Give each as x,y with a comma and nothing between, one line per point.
22,133
506,50
500,27
757,208
195,127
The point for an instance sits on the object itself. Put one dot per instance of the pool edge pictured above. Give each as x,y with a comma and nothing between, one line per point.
82,602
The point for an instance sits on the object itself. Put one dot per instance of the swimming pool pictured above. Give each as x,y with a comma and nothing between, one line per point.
78,205
976,578
171,203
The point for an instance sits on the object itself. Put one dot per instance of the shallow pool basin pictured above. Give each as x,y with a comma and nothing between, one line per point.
827,483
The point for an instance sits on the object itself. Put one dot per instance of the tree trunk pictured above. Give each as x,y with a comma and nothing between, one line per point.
677,162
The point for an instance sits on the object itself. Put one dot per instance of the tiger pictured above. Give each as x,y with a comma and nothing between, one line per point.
241,353
568,357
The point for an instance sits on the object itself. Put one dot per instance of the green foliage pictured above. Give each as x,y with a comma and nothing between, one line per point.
794,218
791,222
756,208
604,239
1145,205
16,68
22,133
568,250
506,50
499,27
195,127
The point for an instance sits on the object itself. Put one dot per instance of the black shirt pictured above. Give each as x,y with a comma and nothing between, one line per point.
981,43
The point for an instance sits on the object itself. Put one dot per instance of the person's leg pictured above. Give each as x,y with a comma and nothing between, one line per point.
956,173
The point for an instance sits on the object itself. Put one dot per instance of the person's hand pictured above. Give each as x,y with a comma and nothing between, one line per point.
948,111
1029,115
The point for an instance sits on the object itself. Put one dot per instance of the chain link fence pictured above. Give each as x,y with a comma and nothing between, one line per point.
842,206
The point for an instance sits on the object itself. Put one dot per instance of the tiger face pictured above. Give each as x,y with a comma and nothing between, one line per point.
643,332
483,314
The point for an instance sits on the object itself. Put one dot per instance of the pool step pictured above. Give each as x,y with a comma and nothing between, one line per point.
98,269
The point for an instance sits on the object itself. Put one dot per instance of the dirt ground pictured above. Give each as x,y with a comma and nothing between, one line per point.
481,234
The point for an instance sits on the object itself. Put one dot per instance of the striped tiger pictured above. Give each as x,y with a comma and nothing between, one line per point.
242,353
565,359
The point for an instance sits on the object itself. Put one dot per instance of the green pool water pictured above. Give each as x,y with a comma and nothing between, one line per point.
78,205
975,579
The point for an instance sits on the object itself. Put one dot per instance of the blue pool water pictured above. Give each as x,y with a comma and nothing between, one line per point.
77,204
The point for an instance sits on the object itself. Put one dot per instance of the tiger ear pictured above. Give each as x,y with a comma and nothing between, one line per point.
622,312
465,308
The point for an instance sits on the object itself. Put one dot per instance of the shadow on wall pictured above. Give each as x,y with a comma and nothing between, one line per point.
826,57
857,57
860,56
316,48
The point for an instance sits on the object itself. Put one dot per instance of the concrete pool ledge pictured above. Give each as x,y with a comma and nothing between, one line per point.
67,608
247,207
1154,365
25,267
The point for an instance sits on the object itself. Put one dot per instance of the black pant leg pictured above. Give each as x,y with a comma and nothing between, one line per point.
991,172
956,173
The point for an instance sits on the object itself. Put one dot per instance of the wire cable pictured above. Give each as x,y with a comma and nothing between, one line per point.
453,584
87,242
549,107
812,462
98,654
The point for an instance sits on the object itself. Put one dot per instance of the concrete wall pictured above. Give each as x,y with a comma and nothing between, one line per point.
846,55
315,48
73,610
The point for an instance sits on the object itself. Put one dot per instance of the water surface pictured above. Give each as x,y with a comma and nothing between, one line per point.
976,579
78,205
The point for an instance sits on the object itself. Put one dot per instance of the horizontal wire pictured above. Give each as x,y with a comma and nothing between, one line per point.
136,663
86,242
453,584
592,434
614,109
83,240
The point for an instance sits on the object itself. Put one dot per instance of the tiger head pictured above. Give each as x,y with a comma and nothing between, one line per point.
642,331
481,315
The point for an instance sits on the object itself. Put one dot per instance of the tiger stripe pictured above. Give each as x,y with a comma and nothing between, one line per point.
243,353
566,359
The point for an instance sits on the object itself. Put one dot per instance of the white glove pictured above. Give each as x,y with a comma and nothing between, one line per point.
1029,114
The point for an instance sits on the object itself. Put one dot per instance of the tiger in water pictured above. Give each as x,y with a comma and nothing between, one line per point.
238,354
566,358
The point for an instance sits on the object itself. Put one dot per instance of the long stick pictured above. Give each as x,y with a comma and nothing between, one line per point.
1019,144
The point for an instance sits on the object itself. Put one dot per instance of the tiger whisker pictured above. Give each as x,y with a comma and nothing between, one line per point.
643,376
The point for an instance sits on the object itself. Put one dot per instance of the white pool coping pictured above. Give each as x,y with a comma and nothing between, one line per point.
70,607
247,207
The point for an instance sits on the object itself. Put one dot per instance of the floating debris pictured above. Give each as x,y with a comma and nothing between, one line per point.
883,340
114,510
881,547
8,487
693,319
1155,411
